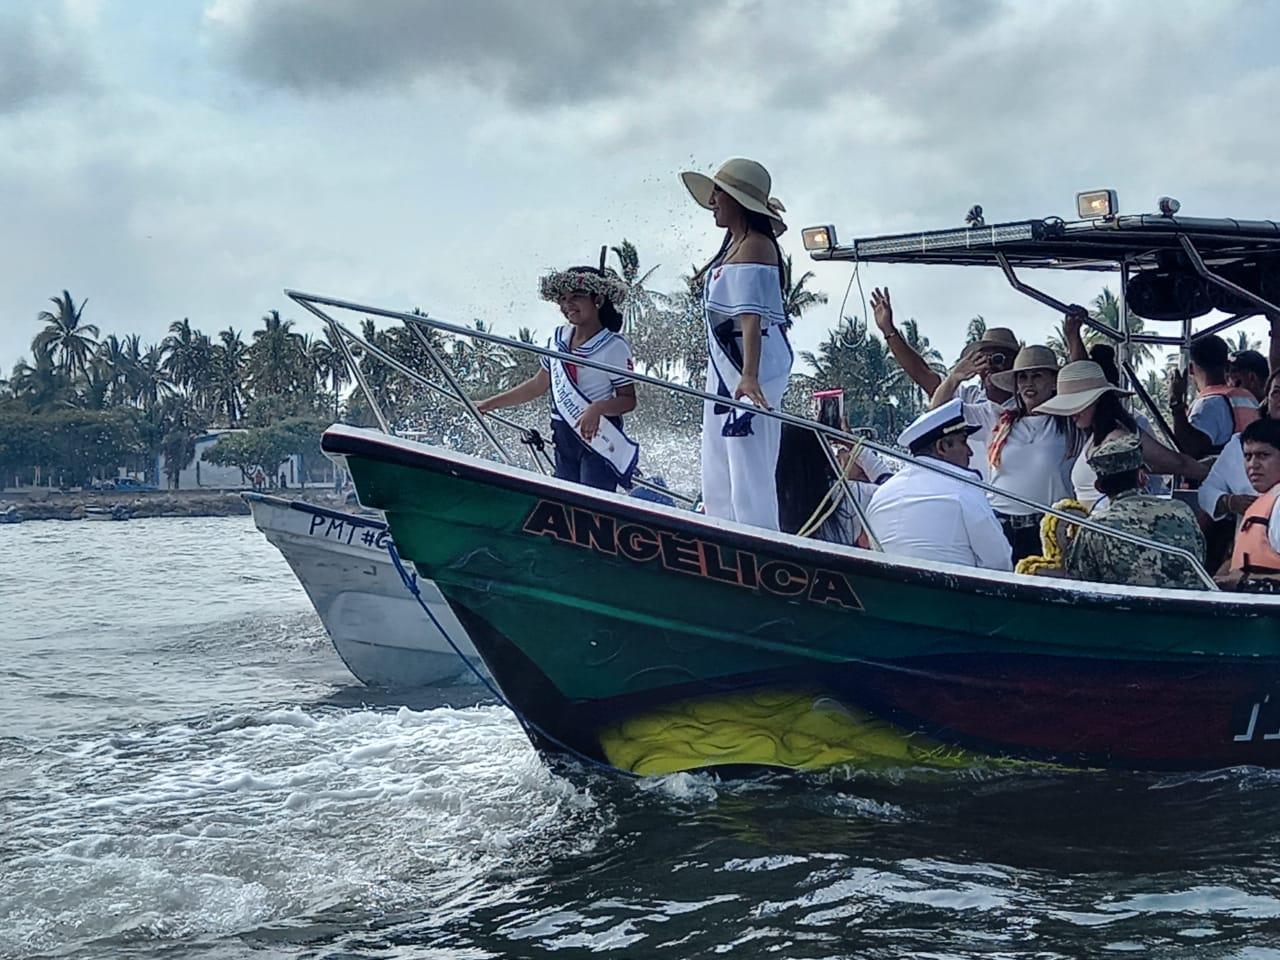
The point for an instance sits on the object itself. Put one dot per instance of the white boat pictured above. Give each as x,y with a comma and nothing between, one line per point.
377,627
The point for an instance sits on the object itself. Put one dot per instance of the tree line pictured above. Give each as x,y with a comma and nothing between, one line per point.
86,405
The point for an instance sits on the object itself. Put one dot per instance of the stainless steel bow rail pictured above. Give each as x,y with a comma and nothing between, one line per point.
313,302
529,436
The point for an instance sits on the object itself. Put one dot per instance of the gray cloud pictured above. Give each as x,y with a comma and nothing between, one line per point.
530,52
40,56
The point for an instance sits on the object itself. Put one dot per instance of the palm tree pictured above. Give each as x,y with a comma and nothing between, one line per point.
330,365
898,379
180,349
862,365
276,361
976,330
151,385
1244,342
1057,342
65,335
227,386
795,298
521,364
480,362
116,364
639,299
42,387
203,373
1106,308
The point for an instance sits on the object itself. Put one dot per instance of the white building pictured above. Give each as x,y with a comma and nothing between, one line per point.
202,475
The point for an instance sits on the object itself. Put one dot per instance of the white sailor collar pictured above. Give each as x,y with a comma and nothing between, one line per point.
564,337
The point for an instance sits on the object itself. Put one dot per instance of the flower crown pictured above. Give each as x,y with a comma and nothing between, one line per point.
605,283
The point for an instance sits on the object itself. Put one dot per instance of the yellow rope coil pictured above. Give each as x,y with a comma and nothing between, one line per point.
1052,541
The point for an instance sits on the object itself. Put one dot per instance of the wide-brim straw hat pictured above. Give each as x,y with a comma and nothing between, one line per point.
1080,383
746,181
995,338
1034,357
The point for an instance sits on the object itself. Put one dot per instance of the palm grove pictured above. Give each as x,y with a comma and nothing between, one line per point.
87,405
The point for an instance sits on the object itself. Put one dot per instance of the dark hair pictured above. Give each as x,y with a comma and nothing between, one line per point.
1210,354
610,318
1114,483
1108,414
1250,361
1264,430
803,476
1104,355
756,223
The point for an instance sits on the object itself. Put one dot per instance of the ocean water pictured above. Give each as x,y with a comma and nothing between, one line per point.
186,770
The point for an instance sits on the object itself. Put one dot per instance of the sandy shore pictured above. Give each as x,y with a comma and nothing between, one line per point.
53,505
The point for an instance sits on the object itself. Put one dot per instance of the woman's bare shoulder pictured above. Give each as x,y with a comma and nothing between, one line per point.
757,248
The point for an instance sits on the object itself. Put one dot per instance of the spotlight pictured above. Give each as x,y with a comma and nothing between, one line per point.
1096,204
818,238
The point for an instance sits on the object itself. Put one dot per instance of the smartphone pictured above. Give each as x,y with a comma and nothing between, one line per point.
829,407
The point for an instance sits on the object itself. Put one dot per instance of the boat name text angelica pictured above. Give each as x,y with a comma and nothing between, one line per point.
689,555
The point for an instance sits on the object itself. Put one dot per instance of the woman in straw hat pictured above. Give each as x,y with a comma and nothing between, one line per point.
750,358
586,404
1093,402
1029,454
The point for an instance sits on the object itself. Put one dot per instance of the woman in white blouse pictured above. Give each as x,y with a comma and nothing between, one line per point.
1030,454
749,356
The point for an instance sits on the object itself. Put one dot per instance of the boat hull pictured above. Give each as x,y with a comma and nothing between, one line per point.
655,639
376,626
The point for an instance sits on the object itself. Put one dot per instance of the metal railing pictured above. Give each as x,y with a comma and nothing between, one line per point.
529,436
312,302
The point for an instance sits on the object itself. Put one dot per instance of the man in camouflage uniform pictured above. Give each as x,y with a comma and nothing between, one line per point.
1095,556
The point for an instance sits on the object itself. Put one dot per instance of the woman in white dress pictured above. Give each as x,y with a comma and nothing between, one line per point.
749,356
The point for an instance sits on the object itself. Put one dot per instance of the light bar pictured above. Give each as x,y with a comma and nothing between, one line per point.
819,238
1097,204
945,240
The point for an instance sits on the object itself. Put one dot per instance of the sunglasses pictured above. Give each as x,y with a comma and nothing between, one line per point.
996,359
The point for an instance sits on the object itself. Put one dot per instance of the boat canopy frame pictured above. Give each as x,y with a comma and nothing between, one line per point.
1123,244
314,303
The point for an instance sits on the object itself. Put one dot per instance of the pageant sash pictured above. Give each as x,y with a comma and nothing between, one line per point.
618,450
737,423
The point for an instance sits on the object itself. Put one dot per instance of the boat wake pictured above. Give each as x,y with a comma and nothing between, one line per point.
217,828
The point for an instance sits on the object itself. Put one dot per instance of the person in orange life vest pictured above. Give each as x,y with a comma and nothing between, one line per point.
1220,409
586,404
1226,491
1257,550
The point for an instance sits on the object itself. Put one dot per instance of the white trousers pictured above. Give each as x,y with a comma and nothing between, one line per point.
738,472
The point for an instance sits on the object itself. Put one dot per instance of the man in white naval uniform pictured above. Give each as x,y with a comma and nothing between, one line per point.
928,513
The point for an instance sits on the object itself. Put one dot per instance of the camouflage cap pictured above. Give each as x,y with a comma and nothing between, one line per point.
1117,456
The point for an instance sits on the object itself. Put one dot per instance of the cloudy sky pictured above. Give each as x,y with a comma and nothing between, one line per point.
178,158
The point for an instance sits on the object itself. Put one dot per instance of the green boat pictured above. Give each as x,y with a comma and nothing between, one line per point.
655,639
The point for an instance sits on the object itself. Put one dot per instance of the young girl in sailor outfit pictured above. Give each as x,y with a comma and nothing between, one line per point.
749,356
586,404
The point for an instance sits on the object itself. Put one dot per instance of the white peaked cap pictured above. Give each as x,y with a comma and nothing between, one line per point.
936,424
